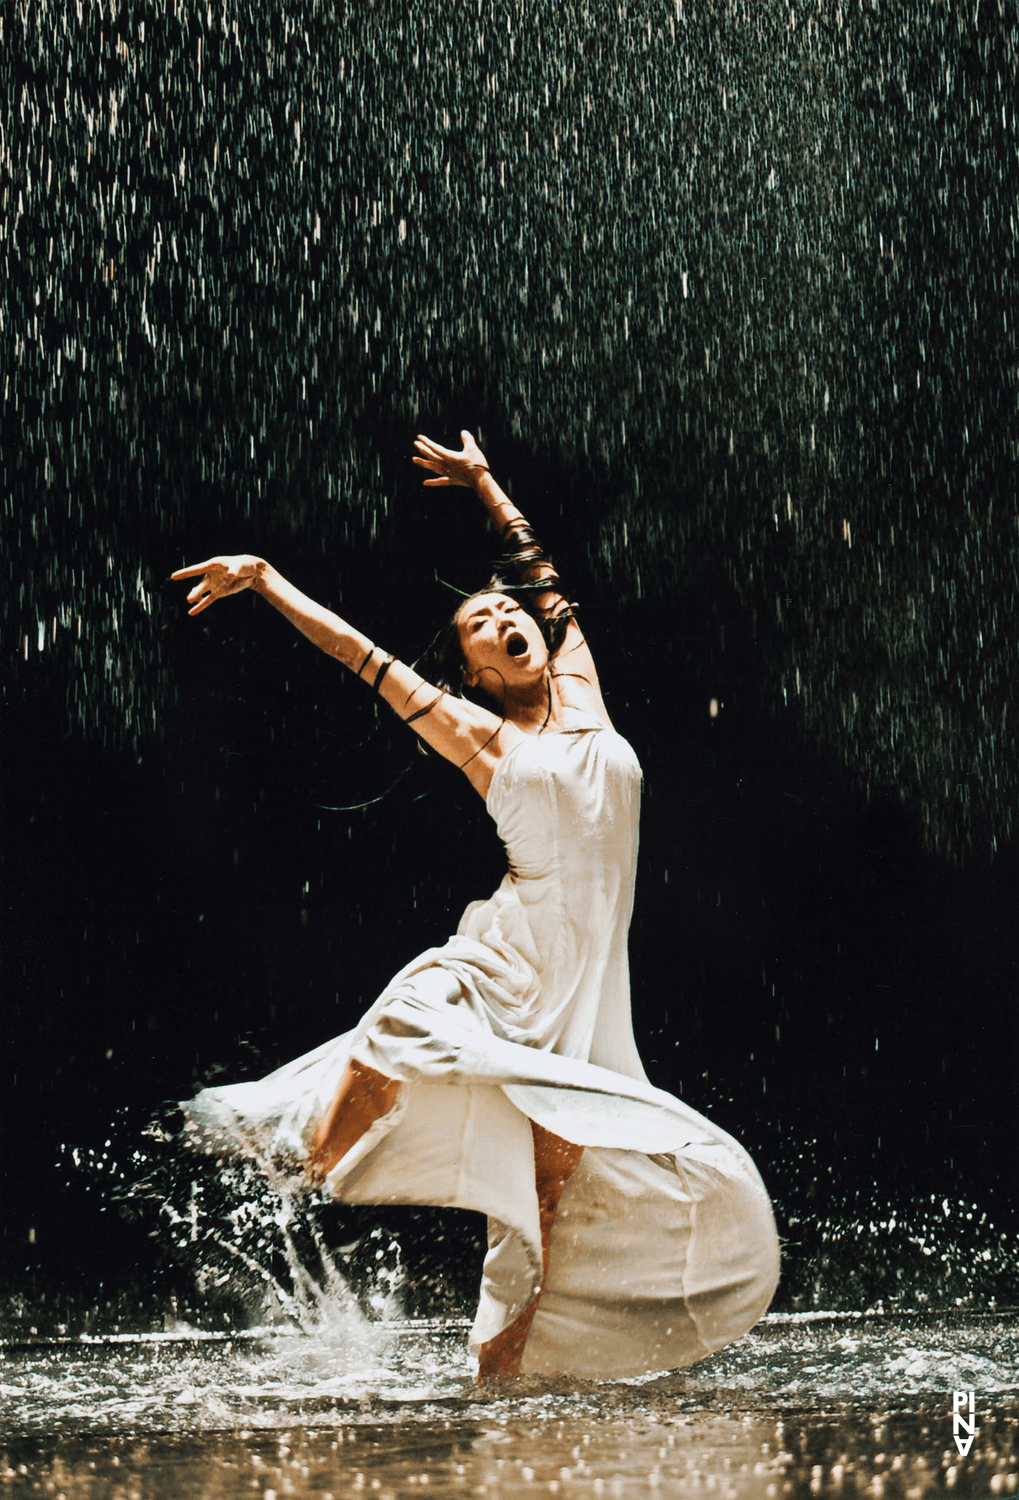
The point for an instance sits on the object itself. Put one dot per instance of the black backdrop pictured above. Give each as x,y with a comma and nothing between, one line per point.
729,295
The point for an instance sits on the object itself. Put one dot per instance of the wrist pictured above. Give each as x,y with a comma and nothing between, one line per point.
499,506
479,474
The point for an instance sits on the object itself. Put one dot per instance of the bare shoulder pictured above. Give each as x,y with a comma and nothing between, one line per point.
473,738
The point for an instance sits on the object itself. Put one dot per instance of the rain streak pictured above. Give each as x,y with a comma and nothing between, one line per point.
748,270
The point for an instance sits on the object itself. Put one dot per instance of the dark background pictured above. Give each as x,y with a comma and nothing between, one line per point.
728,293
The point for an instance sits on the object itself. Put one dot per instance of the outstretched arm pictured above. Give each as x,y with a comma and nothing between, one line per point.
576,675
466,734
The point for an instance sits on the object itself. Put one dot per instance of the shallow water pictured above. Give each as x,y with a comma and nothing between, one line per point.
799,1405
188,1381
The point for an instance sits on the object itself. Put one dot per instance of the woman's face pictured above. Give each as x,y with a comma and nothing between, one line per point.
502,644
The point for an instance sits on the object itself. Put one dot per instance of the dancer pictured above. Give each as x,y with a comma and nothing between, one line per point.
499,1072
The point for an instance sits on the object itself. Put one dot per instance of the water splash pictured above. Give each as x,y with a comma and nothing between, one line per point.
258,1251
258,1254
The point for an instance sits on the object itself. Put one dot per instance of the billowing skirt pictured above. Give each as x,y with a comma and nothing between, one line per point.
664,1247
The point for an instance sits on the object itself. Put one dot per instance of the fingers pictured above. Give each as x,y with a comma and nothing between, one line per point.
201,597
433,450
436,460
426,463
451,467
220,577
427,445
208,591
440,479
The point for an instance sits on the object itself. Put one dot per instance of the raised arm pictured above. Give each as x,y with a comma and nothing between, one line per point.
470,736
576,677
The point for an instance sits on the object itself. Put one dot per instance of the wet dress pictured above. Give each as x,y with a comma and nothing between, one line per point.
664,1246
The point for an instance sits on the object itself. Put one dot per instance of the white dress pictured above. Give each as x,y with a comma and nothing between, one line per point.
664,1247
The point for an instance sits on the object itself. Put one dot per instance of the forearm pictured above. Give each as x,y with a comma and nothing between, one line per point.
498,504
515,534
462,732
321,626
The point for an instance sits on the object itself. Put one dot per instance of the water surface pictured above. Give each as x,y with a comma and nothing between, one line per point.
829,1405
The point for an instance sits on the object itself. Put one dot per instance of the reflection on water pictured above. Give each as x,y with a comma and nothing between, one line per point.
837,1406
542,1444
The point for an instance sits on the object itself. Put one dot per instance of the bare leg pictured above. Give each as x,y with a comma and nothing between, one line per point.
554,1161
363,1097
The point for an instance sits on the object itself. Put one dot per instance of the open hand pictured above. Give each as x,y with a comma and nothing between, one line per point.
449,466
220,576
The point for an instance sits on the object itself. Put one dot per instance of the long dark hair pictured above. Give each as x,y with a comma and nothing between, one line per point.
444,662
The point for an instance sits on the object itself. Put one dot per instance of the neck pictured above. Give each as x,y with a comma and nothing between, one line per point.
536,707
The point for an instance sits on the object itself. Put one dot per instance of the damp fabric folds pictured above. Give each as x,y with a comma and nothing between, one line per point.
664,1247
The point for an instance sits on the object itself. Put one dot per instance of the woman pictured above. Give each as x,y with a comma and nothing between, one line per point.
499,1072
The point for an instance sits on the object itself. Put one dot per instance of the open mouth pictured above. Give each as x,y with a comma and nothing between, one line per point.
516,645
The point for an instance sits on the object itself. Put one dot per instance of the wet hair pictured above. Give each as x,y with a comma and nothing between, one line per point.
443,662
445,657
